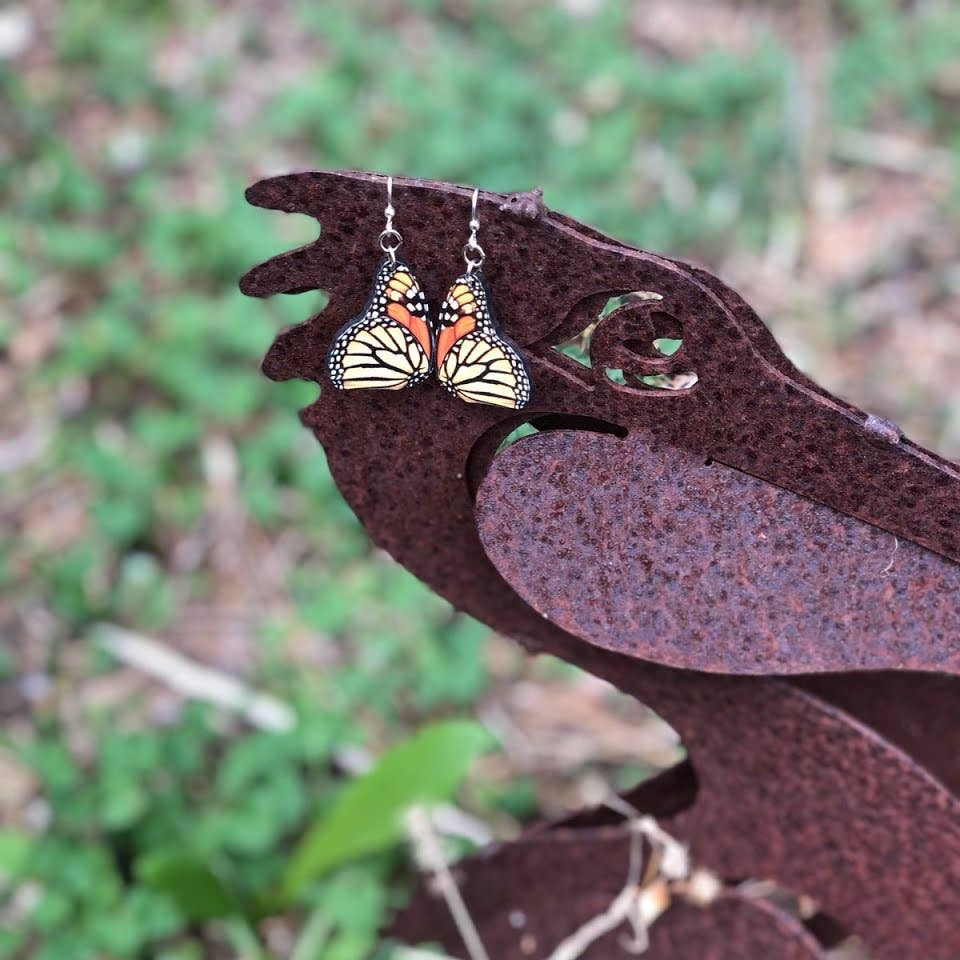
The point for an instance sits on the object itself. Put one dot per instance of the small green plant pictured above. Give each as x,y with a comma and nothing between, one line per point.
167,831
367,816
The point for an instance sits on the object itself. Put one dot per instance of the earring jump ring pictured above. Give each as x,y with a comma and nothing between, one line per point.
390,241
476,261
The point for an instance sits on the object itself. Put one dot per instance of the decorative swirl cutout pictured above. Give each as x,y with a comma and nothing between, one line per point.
634,345
640,348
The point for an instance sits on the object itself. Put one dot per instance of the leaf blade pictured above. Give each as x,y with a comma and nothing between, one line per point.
367,816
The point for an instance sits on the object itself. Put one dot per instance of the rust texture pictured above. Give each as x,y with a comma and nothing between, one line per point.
713,570
748,523
578,873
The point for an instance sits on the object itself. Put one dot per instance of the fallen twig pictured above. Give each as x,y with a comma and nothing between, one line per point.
891,152
428,851
196,680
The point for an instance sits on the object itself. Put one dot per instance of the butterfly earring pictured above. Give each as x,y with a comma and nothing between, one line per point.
474,360
390,345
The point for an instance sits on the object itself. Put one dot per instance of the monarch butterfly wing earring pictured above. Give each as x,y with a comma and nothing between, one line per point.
390,345
474,360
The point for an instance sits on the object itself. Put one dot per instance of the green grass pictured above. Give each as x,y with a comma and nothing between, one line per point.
127,142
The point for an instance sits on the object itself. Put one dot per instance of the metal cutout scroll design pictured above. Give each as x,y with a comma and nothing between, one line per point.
725,553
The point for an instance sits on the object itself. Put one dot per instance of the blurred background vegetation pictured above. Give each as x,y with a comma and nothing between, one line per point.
159,496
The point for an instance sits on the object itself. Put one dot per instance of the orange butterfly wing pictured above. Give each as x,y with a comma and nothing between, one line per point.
390,345
475,361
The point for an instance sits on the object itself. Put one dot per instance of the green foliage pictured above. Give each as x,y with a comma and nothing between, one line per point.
15,849
147,841
189,882
368,814
907,53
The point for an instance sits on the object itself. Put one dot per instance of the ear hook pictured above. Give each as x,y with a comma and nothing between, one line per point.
472,251
390,239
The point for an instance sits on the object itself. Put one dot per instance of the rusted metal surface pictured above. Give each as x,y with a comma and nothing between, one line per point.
790,787
917,712
702,567
559,881
751,410
747,410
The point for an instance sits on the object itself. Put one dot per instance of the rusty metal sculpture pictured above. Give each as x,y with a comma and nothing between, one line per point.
673,541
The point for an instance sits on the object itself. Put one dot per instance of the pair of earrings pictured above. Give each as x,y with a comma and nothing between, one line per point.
393,344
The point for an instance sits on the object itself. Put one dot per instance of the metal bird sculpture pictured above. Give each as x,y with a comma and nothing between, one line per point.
709,530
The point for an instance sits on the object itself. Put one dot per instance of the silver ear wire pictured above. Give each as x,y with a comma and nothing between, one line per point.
472,251
390,238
